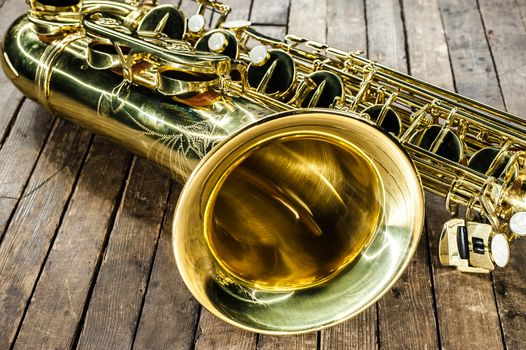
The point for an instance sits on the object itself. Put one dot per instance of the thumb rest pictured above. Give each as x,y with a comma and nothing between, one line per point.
200,99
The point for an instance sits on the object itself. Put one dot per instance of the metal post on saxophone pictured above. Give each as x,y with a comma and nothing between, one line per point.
304,165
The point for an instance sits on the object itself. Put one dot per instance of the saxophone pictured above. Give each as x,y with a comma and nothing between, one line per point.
304,166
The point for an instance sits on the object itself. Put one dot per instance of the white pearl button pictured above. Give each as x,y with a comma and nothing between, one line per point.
258,55
500,250
518,223
196,23
217,42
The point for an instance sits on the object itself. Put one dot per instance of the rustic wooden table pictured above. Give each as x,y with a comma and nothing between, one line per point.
85,257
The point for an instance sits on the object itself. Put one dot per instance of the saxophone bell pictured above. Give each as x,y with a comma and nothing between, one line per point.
298,222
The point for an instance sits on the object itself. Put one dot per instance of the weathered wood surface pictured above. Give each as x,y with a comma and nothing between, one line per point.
90,213
85,247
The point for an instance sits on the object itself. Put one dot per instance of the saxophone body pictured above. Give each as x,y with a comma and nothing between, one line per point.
102,101
304,166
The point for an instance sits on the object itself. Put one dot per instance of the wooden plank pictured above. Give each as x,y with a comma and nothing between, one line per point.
346,29
506,34
240,9
54,313
10,97
507,38
308,19
466,307
270,11
385,33
19,155
277,32
360,333
406,313
426,41
170,313
469,52
35,223
115,305
299,342
213,333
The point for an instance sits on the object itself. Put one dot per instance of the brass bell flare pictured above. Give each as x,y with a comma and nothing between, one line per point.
313,213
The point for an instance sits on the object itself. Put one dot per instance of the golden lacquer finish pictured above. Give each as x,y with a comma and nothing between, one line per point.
386,233
294,213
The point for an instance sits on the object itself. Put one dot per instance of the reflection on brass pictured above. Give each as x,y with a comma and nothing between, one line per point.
291,220
293,244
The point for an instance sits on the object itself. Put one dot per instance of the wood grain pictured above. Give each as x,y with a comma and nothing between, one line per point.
18,156
270,11
188,7
385,33
346,28
277,32
426,42
360,333
511,294
507,37
298,342
36,221
54,313
308,19
115,305
269,28
240,9
213,333
470,55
